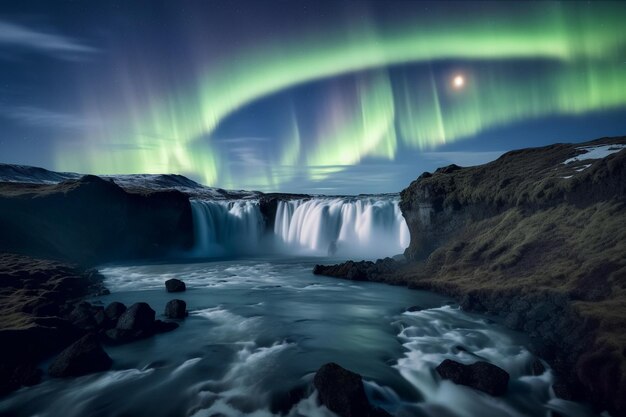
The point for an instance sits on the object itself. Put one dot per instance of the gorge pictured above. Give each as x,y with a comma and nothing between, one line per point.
535,239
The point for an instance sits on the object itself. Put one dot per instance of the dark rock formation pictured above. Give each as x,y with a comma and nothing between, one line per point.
539,243
84,316
114,311
176,309
358,271
92,220
32,292
438,207
82,357
136,322
175,285
138,317
342,392
482,376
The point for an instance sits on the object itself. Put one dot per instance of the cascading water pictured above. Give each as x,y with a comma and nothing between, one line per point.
226,227
368,227
363,227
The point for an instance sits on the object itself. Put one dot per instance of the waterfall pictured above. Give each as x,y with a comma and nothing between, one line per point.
226,227
366,227
363,227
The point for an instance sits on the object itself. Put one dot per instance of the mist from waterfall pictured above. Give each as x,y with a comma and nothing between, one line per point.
368,227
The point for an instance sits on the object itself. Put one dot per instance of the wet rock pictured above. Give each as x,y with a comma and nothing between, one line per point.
481,376
537,367
342,392
82,316
176,309
164,326
563,390
283,401
119,336
82,357
139,316
359,271
14,375
114,310
175,285
413,309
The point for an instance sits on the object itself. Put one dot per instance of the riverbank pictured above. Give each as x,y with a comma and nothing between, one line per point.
34,296
538,238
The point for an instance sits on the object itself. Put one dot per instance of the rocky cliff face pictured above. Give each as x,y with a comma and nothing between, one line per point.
437,206
537,237
33,295
92,220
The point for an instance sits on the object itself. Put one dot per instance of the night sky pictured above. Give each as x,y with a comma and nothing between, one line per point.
303,96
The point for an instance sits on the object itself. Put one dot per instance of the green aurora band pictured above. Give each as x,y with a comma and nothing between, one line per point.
419,110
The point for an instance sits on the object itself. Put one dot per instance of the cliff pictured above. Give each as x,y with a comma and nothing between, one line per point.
537,237
92,220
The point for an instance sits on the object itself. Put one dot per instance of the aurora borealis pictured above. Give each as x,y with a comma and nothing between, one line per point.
305,96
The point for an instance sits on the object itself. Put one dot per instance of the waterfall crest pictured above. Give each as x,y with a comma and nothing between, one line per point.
368,227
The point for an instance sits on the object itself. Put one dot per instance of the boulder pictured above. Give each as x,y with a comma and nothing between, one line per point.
413,309
82,357
481,376
83,316
117,336
139,316
342,392
176,309
175,285
114,310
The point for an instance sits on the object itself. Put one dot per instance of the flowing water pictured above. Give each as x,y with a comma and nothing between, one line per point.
370,227
259,328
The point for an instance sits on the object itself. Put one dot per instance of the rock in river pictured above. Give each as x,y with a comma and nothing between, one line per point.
175,285
139,316
82,357
176,309
482,376
342,392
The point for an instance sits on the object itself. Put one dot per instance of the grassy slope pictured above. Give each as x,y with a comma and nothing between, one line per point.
514,233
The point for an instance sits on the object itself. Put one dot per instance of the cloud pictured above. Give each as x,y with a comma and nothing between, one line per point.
38,117
58,46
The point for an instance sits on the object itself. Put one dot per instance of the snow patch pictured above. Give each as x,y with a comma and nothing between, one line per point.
595,152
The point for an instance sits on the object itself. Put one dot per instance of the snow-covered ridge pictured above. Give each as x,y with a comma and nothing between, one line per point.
35,175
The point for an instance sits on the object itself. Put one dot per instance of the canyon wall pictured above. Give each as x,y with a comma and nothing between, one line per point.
92,220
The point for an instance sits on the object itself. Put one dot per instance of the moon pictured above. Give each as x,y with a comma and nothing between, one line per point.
458,81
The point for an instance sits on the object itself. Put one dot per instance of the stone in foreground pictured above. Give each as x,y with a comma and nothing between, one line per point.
80,358
139,316
175,285
176,309
342,392
114,310
481,376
